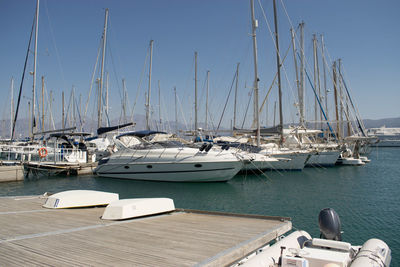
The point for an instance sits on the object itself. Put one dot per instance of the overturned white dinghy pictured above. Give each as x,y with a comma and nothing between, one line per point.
79,199
137,207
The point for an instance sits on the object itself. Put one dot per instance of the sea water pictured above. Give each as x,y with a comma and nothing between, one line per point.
367,198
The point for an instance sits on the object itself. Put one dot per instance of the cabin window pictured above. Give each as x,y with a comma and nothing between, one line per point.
198,165
126,167
149,166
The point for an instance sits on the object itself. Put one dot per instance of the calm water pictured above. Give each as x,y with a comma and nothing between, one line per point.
366,198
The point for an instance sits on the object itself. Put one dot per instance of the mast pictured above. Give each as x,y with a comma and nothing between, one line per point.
11,107
99,108
73,106
208,86
42,103
176,111
34,69
63,110
195,92
254,24
149,89
336,100
341,98
236,88
295,59
324,70
51,109
278,64
315,80
124,100
107,106
30,111
302,77
159,103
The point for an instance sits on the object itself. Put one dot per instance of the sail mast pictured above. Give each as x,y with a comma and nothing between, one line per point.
176,112
315,80
302,77
34,69
254,24
336,100
195,92
278,64
12,107
99,107
149,89
236,88
208,87
42,103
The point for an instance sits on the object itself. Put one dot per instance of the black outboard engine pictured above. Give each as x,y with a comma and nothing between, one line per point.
329,224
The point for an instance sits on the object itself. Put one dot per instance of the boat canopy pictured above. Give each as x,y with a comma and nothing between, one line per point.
103,130
141,134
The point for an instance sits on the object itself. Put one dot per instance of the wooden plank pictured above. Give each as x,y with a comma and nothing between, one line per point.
76,237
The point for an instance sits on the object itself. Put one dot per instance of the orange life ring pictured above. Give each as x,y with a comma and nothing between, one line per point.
42,152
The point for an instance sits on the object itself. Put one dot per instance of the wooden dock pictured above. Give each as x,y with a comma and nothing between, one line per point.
31,235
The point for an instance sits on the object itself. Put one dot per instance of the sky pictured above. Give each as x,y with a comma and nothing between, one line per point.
363,34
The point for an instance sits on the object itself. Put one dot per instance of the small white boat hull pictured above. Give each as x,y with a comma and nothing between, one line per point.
352,161
132,208
79,199
296,161
323,158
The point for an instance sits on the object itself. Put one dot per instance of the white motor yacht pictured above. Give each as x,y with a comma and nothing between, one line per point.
169,161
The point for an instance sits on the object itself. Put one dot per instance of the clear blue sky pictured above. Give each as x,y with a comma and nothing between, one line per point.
365,34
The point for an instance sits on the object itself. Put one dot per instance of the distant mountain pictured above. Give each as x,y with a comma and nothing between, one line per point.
22,125
389,122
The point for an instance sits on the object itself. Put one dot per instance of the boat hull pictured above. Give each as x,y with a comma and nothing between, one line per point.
172,171
323,158
171,165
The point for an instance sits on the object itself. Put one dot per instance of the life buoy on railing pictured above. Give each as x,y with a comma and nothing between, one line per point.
42,152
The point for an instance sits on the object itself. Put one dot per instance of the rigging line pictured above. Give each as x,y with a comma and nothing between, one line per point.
247,108
351,101
181,109
272,84
226,102
49,106
319,103
355,105
287,14
91,83
79,114
276,49
55,45
22,81
66,113
140,83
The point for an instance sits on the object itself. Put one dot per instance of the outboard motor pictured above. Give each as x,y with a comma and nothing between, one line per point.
329,224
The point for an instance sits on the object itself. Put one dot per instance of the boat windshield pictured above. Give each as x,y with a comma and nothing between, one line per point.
158,145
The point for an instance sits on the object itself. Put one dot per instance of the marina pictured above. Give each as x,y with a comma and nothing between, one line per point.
242,140
292,194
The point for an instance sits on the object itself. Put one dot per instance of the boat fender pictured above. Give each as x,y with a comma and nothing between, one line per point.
203,146
208,147
374,253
